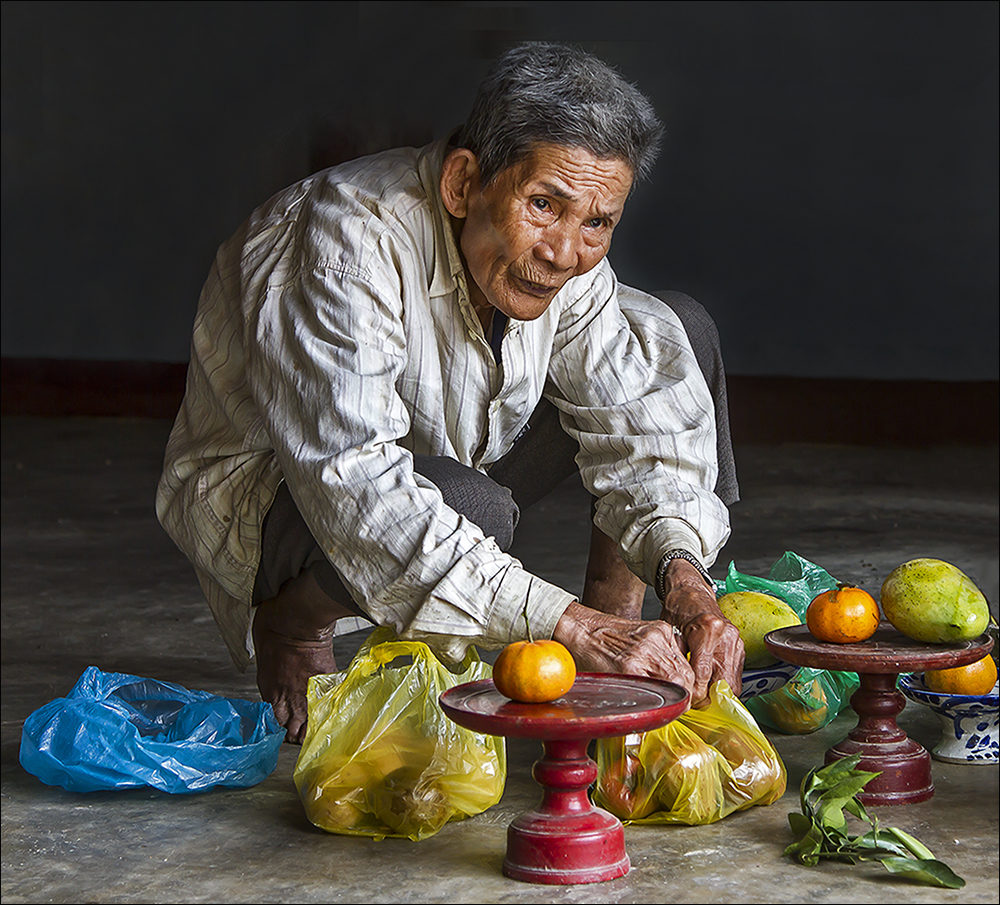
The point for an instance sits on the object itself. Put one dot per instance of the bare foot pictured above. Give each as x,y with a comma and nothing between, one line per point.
610,586
293,639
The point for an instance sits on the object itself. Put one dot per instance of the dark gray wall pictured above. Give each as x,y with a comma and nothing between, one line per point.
828,188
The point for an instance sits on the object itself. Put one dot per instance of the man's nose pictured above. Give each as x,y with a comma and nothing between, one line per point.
561,246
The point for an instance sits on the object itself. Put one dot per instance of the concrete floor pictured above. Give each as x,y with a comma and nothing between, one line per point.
90,579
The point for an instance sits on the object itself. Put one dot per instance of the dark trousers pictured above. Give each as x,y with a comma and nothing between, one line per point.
540,460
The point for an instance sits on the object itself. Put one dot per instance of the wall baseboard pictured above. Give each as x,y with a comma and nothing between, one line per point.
922,413
60,388
762,409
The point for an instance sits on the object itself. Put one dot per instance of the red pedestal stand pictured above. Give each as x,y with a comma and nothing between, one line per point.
566,839
904,765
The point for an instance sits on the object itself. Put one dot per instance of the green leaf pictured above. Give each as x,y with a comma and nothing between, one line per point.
871,851
822,778
799,823
825,794
846,786
808,848
836,776
857,809
839,792
914,846
928,871
833,770
805,789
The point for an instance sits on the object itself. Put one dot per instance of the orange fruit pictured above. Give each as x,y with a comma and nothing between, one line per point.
621,791
534,671
843,615
975,678
789,709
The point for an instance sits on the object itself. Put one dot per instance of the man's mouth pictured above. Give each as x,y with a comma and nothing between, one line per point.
539,290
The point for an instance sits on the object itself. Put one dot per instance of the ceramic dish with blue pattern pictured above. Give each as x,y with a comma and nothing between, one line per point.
766,678
969,732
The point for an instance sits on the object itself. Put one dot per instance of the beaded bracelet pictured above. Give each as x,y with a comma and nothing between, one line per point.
661,571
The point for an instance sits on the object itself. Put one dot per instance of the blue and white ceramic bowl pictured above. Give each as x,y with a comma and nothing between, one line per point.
968,722
765,679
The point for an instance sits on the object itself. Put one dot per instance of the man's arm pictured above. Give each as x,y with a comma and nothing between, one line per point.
601,642
638,404
714,645
692,644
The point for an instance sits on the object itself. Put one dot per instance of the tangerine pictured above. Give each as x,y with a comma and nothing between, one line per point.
974,678
843,615
534,672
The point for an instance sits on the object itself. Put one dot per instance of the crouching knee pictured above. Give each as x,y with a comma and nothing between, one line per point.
471,493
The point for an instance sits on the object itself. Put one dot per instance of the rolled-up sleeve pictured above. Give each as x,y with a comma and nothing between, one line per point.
630,391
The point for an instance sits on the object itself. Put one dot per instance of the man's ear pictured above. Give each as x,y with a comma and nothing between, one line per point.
459,174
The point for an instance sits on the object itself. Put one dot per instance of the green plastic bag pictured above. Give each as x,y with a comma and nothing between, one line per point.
813,697
699,768
807,702
792,578
381,758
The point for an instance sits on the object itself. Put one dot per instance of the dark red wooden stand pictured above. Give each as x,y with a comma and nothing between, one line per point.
566,839
904,765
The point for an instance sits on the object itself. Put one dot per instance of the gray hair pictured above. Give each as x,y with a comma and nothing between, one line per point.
557,94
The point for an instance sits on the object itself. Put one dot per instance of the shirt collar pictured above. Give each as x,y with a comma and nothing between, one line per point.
447,262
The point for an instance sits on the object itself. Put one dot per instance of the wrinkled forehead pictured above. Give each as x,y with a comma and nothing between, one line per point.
571,173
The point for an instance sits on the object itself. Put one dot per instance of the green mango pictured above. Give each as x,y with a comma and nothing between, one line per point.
755,614
932,600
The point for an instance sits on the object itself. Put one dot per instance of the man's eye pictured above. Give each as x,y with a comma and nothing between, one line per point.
541,204
597,223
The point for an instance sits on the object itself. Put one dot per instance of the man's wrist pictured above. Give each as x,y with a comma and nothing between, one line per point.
670,556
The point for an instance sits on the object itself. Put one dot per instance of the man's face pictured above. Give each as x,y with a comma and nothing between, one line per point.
541,222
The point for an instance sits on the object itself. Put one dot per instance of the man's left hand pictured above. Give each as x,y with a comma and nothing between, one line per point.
712,641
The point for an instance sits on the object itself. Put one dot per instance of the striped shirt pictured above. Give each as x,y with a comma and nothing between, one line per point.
335,337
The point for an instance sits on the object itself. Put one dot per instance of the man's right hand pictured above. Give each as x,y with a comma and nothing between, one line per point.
600,642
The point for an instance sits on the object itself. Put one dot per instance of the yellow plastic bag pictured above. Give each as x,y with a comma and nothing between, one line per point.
381,758
699,768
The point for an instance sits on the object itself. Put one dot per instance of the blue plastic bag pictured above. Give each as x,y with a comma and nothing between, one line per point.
116,731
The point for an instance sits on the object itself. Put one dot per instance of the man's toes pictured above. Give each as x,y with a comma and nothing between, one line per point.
281,714
296,731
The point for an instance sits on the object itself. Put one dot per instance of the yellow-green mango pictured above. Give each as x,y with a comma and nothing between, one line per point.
755,614
932,600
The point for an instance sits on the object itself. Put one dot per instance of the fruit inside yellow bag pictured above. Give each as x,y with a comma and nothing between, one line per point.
810,700
381,758
699,768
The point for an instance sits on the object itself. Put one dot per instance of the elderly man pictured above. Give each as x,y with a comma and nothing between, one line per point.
395,356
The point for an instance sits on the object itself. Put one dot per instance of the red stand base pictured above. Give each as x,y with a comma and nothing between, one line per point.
904,767
566,839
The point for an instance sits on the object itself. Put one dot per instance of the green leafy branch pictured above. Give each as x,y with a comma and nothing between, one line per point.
825,794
